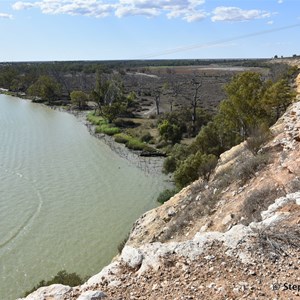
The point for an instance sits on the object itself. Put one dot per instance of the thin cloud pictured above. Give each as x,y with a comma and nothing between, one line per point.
188,10
91,8
23,5
236,14
195,16
6,16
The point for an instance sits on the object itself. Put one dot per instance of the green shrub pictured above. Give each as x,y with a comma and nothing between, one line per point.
169,165
166,195
132,143
195,166
62,277
107,129
170,132
95,120
135,144
122,138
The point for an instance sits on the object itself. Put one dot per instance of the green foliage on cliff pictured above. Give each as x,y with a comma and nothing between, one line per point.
252,105
166,195
195,166
62,277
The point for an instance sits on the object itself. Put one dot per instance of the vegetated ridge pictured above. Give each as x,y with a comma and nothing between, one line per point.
236,236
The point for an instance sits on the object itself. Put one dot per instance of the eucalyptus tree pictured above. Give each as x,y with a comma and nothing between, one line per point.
46,88
79,99
109,97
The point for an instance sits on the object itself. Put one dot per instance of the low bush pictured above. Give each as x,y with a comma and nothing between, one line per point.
135,144
132,143
107,129
250,166
95,120
166,195
122,138
169,165
62,277
195,166
275,241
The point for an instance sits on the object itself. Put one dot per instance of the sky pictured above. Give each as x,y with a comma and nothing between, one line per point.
46,30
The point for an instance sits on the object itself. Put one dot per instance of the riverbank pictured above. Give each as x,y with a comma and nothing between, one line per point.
149,164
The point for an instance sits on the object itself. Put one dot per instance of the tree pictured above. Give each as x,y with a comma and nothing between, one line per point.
170,132
242,109
46,88
172,88
79,98
179,153
157,94
209,140
277,98
109,97
7,76
195,166
194,102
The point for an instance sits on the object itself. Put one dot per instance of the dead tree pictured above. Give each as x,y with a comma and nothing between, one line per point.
157,94
197,84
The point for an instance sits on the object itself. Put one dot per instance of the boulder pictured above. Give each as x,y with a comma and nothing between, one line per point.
92,295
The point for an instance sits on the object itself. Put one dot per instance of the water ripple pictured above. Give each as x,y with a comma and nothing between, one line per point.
29,220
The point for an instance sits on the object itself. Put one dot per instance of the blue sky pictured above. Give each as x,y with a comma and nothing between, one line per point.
139,29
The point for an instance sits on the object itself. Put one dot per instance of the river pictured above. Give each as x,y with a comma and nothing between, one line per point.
66,199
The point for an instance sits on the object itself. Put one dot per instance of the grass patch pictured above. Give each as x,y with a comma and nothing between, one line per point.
122,138
95,120
136,144
133,143
107,129
130,142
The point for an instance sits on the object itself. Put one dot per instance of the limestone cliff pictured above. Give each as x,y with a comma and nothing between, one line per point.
236,236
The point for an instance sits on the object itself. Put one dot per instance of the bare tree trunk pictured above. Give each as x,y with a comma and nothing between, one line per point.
194,103
157,102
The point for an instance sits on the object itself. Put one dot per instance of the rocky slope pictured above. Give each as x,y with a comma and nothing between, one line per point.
235,237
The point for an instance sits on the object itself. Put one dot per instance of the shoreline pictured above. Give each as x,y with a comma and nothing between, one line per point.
150,165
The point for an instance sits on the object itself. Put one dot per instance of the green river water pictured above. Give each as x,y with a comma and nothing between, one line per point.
66,199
